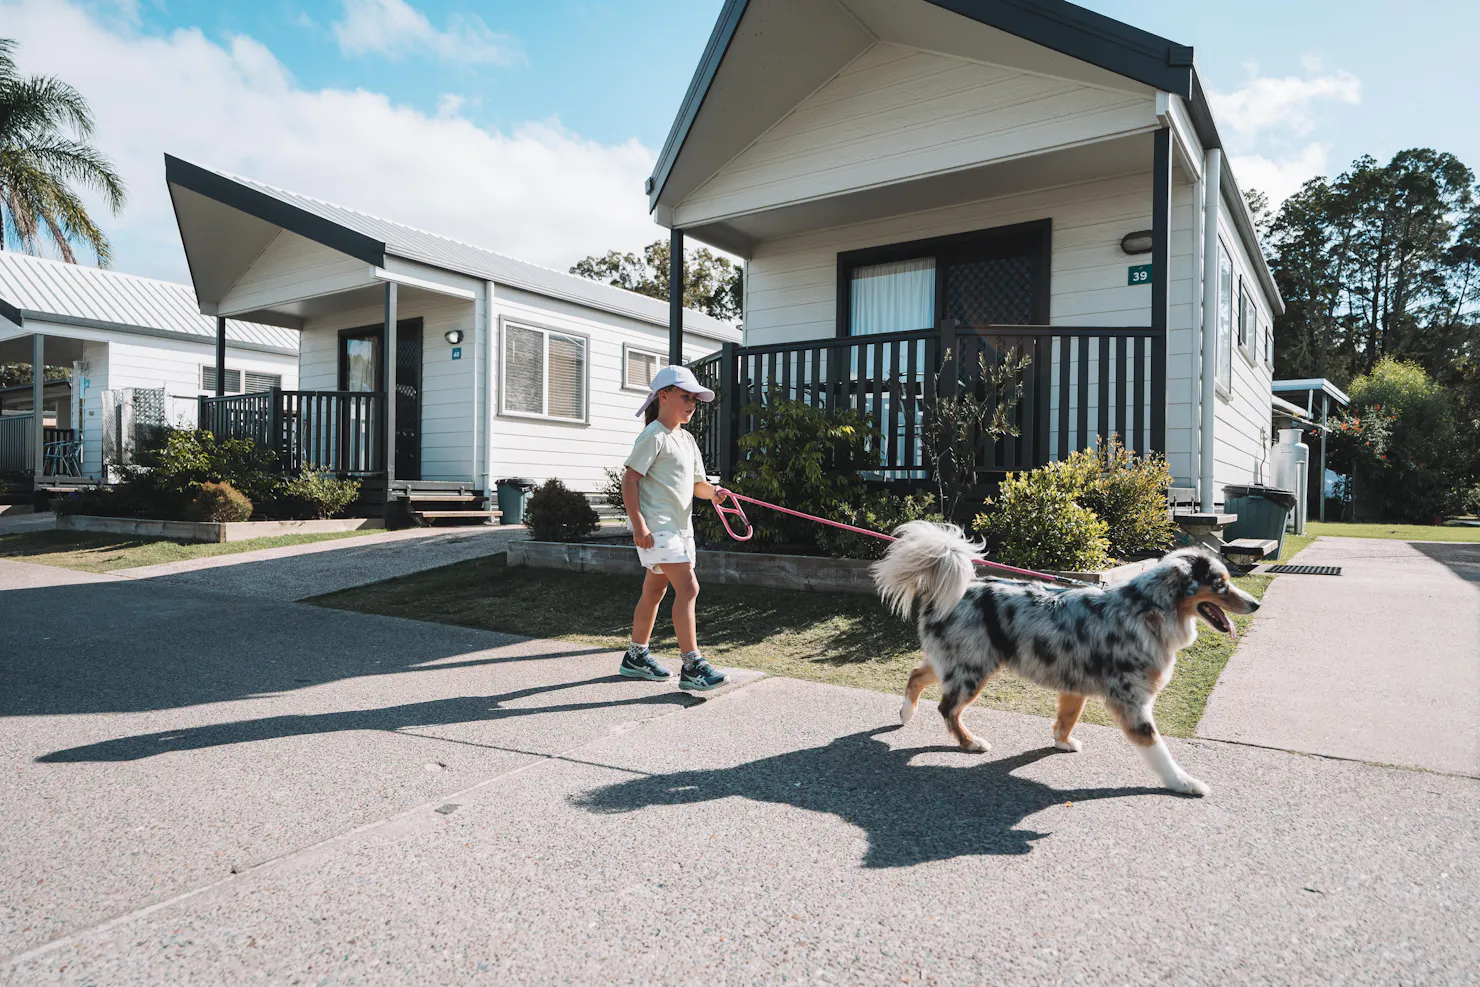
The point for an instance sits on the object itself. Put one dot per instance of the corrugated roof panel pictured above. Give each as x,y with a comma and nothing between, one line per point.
411,243
51,287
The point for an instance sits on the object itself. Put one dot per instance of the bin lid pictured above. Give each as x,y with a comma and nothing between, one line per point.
1285,498
515,481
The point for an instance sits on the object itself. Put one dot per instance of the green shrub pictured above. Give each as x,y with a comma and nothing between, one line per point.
1472,500
316,495
881,512
557,513
1418,474
802,457
611,491
218,502
1036,523
1129,494
187,458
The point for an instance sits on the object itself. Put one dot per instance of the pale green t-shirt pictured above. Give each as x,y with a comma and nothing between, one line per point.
670,464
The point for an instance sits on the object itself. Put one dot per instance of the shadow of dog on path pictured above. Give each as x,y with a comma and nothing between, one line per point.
912,813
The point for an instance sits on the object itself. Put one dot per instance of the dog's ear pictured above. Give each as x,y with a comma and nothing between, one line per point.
1202,571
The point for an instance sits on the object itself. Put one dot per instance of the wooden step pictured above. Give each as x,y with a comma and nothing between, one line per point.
1251,548
483,517
443,498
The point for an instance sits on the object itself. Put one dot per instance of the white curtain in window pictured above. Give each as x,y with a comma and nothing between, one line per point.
362,364
524,370
893,297
1225,318
567,377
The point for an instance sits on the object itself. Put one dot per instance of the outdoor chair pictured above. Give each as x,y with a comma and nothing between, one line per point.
62,458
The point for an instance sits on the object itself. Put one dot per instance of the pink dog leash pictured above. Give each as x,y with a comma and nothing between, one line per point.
739,512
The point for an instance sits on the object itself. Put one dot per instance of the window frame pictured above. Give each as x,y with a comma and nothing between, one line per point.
210,389
1036,236
630,348
545,331
1248,311
1225,350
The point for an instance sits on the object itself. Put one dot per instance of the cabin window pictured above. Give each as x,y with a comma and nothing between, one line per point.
360,366
1248,321
256,382
987,277
208,380
1225,319
543,373
1269,346
639,366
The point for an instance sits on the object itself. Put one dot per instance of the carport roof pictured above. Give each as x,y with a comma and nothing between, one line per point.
40,289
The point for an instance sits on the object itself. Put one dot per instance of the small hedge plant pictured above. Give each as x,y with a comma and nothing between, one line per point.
611,491
319,495
557,513
219,502
1036,523
1128,493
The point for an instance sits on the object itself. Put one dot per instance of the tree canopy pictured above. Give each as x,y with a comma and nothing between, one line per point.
44,160
712,284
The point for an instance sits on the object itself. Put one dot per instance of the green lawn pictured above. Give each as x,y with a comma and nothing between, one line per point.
92,552
1398,532
842,639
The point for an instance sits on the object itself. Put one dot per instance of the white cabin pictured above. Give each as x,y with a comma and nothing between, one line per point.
502,368
139,352
908,177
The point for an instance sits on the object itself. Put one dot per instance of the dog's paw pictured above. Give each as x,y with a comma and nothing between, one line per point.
977,746
1070,744
1189,785
906,712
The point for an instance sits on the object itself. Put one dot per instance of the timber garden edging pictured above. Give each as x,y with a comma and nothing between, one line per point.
210,531
817,574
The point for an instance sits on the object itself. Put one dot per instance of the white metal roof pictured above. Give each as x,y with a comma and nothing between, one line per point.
52,290
413,244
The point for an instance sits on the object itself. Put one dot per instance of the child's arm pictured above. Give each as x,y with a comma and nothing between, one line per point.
705,490
641,536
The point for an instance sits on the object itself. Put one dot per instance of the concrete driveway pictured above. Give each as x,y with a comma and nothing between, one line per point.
1381,663
211,789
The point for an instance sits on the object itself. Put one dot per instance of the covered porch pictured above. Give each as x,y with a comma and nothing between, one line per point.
40,448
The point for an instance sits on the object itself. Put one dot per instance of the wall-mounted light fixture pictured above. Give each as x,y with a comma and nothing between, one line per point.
455,336
1139,242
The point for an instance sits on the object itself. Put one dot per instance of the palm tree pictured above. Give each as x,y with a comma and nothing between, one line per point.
40,165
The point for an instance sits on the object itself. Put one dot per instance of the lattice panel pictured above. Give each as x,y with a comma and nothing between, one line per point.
992,291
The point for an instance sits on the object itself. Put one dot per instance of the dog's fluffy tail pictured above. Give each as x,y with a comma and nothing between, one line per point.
930,564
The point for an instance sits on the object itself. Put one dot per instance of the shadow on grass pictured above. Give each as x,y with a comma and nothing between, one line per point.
912,813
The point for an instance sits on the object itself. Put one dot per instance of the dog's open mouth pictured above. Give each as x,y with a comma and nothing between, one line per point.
1214,615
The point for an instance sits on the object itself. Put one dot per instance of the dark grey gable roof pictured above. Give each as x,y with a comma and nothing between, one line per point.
370,239
1064,27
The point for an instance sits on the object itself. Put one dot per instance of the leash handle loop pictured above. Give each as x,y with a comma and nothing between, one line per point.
737,510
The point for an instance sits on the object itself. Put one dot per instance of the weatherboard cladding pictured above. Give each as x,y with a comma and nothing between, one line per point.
39,288
428,248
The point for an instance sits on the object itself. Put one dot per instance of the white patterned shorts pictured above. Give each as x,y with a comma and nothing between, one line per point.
668,546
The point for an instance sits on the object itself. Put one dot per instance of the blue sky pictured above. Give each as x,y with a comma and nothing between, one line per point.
529,126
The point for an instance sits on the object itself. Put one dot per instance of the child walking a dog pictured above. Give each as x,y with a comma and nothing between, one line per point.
664,474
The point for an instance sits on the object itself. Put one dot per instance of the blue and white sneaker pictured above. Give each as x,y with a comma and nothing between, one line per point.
638,664
698,676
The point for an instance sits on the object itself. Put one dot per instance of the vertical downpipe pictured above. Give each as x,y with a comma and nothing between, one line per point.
1212,204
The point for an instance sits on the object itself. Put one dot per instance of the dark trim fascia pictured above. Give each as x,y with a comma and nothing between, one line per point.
1038,232
187,337
272,210
10,311
1090,37
714,53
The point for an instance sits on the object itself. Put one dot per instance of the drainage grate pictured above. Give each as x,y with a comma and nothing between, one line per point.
1304,570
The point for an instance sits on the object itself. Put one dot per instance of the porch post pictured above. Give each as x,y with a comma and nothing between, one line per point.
675,297
1321,483
388,381
220,356
729,410
1161,259
38,389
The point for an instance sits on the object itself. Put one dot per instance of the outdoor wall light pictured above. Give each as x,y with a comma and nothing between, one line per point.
1139,242
455,336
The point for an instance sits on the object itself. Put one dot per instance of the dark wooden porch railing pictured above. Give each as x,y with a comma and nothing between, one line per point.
1083,384
322,431
17,441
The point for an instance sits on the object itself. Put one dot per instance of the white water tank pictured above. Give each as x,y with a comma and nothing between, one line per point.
1290,466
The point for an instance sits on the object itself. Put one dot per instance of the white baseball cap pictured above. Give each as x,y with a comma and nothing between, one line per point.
675,376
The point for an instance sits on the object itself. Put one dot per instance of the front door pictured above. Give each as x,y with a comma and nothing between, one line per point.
361,369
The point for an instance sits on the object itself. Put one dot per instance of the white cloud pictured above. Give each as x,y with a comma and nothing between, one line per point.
1265,103
1279,178
394,28
540,192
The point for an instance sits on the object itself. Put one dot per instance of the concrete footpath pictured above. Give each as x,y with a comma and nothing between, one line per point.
208,789
1381,663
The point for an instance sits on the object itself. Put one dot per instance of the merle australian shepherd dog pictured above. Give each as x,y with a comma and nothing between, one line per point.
1119,644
